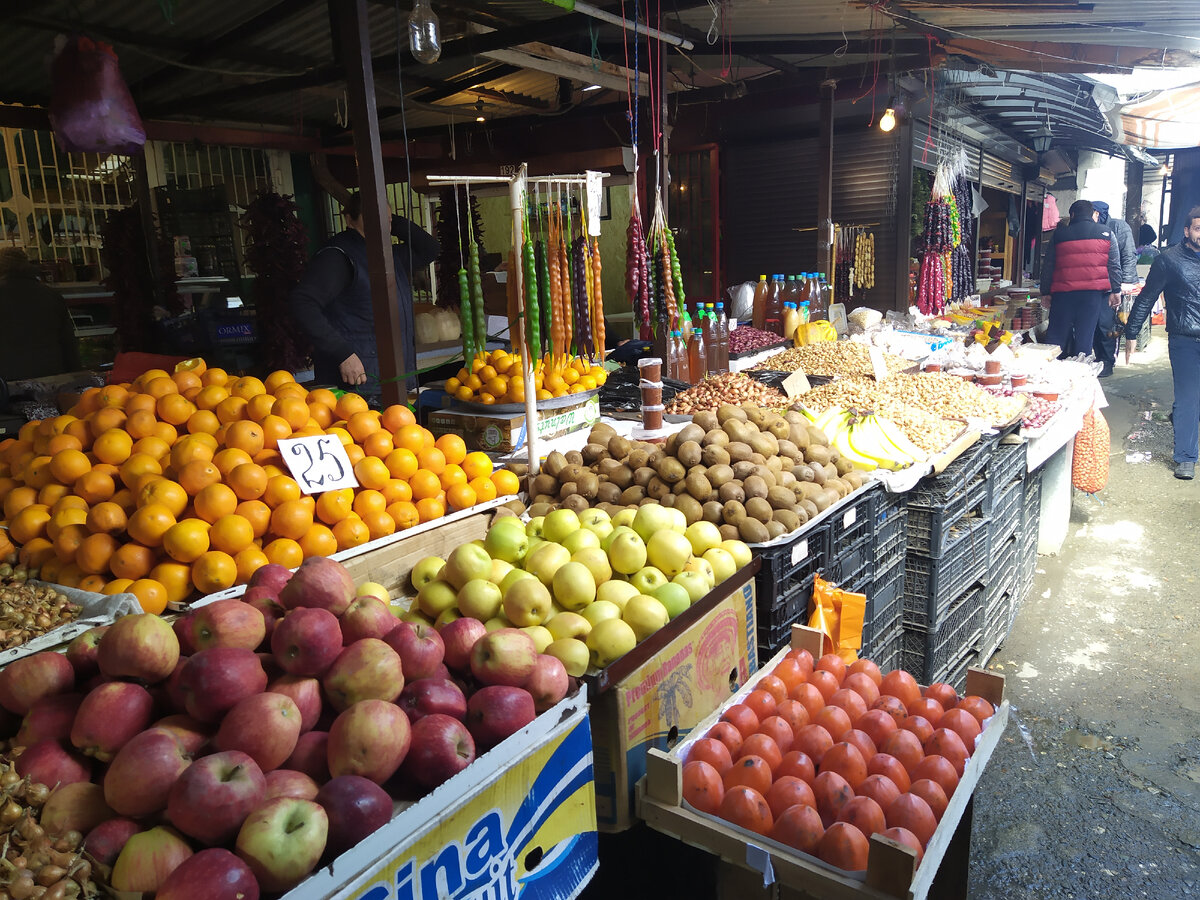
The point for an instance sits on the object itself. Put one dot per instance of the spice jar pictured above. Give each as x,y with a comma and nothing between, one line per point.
651,393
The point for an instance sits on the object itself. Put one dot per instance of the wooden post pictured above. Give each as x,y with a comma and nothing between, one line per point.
145,201
377,218
902,223
825,181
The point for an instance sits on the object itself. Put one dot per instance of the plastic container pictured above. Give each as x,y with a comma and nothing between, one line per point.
992,367
652,417
990,380
1019,380
774,312
651,393
650,368
722,338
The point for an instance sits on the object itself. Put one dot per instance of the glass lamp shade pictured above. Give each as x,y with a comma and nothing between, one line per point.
424,33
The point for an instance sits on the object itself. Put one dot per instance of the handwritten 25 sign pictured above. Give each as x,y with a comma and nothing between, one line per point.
318,463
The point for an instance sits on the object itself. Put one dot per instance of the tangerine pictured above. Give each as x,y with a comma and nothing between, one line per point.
131,561
430,508
291,519
257,513
284,552
151,595
186,540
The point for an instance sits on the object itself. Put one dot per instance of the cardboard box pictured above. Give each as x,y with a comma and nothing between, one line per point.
505,432
662,699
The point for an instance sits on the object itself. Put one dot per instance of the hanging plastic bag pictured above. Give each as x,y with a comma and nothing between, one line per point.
1089,462
838,615
91,109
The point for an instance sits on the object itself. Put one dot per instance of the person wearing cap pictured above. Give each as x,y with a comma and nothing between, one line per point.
37,337
1108,330
1082,271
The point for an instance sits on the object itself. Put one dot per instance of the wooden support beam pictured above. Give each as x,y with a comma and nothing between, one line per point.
360,85
825,180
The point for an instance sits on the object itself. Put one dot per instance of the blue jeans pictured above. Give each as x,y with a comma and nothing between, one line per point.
1185,372
1073,318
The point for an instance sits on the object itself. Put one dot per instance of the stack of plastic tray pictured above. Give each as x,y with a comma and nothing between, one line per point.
852,540
885,598
999,609
934,654
783,586
1006,481
1030,523
932,586
939,503
885,650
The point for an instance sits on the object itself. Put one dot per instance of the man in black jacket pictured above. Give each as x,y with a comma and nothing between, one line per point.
1176,275
1108,329
37,337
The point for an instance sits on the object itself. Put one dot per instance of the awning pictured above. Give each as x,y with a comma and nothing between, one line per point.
1160,119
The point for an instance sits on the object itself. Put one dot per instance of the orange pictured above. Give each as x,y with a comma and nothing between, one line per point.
186,380
333,506
270,460
106,518
248,562
362,424
476,465
197,475
319,541
410,437
50,569
150,594
379,444
257,513
507,482
36,552
195,365
211,397
424,484
396,416
379,524
245,435
291,410
461,496
214,571
148,524
64,518
68,541
93,583
371,473
291,391
231,409
141,423
176,578
160,387
131,561
259,407
167,433
124,498
453,448
279,489
429,509
248,480
203,420
354,453
29,523
53,493
214,376
321,414
284,552
275,428
291,519
81,430
349,404
404,514
69,575
136,466
351,532
231,534
452,475
38,473
190,449
368,502
89,400
229,459
323,396
140,403
214,501
165,492
484,487
395,490
19,498
68,465
94,553
248,386
432,459
117,586
112,395
342,435
174,408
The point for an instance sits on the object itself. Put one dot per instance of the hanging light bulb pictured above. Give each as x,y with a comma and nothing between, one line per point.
888,120
424,33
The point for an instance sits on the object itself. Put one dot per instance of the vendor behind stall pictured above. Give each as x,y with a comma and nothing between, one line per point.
36,334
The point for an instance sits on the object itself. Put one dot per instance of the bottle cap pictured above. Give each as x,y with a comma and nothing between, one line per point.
720,306
762,277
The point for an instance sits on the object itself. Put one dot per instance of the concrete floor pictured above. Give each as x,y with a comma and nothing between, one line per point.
1094,792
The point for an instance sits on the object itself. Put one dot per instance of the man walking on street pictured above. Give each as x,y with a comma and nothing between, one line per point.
1082,272
1108,329
1176,275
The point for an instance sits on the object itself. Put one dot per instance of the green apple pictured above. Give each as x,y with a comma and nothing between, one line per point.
547,559
645,615
704,567
651,518
542,637
627,553
507,540
624,517
610,640
597,562
739,551
722,563
466,562
580,539
694,583
527,602
436,597
480,599
600,611
511,578
617,592
497,623
533,527
703,536
559,524
679,520
569,625
500,568
597,521
534,543
668,551
574,586
572,653
446,617
413,614
608,540
647,579
398,608
374,589
426,571
674,597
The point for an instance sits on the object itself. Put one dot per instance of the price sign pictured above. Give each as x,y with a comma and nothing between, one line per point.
318,463
795,384
849,518
800,552
877,363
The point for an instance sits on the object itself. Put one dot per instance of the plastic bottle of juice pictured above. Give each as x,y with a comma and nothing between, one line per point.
790,291
826,291
711,345
761,291
818,305
722,338
774,316
697,351
791,319
679,349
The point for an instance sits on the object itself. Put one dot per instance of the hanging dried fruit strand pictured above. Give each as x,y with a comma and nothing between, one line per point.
597,300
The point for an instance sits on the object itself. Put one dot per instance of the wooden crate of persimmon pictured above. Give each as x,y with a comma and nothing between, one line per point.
830,780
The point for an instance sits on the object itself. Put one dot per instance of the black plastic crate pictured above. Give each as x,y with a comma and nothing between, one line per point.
1008,464
849,524
932,585
1008,513
933,519
884,650
851,563
786,566
885,601
955,674
925,653
775,625
1002,570
891,529
937,488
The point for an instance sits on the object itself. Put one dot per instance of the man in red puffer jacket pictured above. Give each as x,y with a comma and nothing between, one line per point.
1082,272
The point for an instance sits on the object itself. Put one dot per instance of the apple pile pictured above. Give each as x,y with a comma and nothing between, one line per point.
584,588
231,753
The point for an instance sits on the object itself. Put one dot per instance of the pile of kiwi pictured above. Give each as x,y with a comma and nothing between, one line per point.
755,473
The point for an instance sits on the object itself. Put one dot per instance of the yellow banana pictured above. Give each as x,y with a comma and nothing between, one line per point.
841,443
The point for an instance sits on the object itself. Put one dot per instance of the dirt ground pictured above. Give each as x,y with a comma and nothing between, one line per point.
1094,791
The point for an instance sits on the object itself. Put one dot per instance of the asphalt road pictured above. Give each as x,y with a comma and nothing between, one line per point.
1094,791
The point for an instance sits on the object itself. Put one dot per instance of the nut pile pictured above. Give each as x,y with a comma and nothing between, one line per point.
728,388
951,397
930,432
831,358
754,473
746,337
28,611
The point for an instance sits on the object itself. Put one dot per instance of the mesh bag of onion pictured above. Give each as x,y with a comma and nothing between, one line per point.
1089,463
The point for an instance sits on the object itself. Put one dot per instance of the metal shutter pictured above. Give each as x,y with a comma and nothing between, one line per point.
864,192
1001,174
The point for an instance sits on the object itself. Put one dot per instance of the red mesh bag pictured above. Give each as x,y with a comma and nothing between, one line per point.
91,109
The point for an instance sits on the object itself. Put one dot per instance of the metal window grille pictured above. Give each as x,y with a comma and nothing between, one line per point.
246,171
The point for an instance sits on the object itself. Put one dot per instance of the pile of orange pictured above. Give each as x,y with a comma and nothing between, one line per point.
496,377
173,484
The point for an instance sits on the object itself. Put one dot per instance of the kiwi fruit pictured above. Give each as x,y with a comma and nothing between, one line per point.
820,476
719,475
767,473
544,483
789,451
837,486
632,495
855,478
755,487
809,490
779,429
843,465
550,499
698,487
643,475
787,518
555,463
656,456
714,455
539,509
593,453
736,430
831,471
753,531
706,420
679,487
618,447
608,492
576,503
637,459
689,453
670,470
824,500
781,498
715,438
816,437
657,488
732,511
622,476
727,411
712,512
785,478
760,509
729,533
574,457
739,452
743,470
731,491
669,501
794,417
798,435
758,459
818,454
764,444
589,485
802,472
601,432
776,529
690,507
755,414
808,508
690,432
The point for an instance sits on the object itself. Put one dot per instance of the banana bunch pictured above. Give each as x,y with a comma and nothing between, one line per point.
867,441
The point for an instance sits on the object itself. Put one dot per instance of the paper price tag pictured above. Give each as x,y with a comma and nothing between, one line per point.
795,384
849,518
800,552
877,363
318,463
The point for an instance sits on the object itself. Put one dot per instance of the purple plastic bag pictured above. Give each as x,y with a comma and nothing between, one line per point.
91,109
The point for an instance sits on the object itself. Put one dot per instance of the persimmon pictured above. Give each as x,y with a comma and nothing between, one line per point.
863,685
844,846
948,744
834,720
901,685
943,693
964,724
908,839
939,769
834,665
877,724
800,828
879,788
978,707
928,709
762,703
887,765
746,807
931,792
750,771
743,718
862,741
779,731
702,786
713,752
865,814
789,791
789,672
810,698
728,734
846,760
832,792
865,667
814,741
798,764
913,813
794,713
918,725
825,682
905,747
763,747
851,702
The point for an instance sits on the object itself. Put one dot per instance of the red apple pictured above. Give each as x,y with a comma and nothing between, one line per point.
84,651
366,617
306,641
147,859
176,695
228,623
27,680
370,739
183,632
192,735
420,646
213,796
311,756
290,783
433,695
75,807
214,680
212,874
50,763
549,682
366,670
271,576
104,842
140,646
319,583
357,807
494,713
139,779
505,657
460,637
265,726
266,602
50,719
441,748
109,716
305,693
282,841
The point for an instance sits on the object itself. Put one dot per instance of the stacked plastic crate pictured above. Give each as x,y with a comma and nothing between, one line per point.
883,624
1030,523
1006,484
784,583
